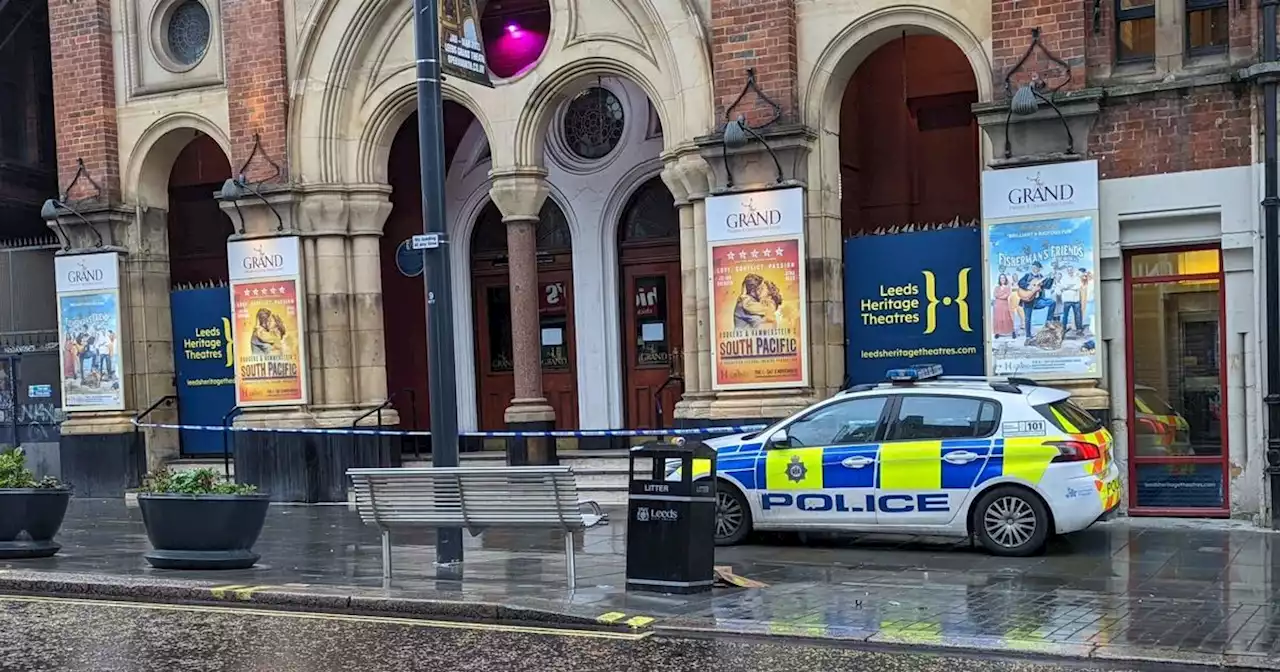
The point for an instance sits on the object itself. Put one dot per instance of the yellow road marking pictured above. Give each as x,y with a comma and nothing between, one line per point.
611,617
246,593
639,621
221,591
345,618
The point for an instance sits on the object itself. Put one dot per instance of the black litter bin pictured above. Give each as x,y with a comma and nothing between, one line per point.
671,522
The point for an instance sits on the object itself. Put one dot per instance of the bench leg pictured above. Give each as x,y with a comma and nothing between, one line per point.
569,560
386,554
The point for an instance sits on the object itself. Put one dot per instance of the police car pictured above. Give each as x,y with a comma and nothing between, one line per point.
1005,460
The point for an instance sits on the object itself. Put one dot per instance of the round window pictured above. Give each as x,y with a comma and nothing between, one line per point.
187,33
411,262
593,123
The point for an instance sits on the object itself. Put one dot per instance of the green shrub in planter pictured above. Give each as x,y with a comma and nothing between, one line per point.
35,507
198,520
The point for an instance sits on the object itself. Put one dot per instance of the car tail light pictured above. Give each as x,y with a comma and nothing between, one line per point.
1076,451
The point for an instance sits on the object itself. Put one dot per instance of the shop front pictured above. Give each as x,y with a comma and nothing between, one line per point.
1177,254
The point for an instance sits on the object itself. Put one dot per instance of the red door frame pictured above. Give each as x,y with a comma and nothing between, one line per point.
1134,460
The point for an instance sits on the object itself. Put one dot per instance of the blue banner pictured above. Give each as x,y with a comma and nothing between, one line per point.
202,354
913,298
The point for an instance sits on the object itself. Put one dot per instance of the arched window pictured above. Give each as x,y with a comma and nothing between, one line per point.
490,236
651,215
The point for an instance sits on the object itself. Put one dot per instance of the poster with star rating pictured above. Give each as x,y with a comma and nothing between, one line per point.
270,355
758,297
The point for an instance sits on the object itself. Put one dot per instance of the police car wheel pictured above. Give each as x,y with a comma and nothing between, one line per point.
733,516
1011,522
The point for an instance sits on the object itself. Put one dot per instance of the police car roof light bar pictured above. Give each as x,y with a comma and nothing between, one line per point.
912,374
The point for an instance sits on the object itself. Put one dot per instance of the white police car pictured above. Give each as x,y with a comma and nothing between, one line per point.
1003,459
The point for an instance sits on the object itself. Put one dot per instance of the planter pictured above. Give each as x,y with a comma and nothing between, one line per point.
38,512
203,531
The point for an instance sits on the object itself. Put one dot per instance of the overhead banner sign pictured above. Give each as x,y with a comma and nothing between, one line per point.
205,360
89,335
461,45
913,298
1041,243
759,314
266,306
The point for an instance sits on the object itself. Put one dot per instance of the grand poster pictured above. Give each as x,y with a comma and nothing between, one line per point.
267,323
205,361
913,298
91,344
758,298
1042,285
461,44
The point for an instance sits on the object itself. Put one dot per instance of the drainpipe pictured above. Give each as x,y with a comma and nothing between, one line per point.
1271,233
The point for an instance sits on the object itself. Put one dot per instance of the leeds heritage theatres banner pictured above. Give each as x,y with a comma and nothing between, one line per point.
759,314
913,298
89,336
266,308
205,360
1042,289
461,44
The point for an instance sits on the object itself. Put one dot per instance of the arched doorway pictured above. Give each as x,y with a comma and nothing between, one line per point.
404,307
199,300
198,229
491,292
909,151
652,331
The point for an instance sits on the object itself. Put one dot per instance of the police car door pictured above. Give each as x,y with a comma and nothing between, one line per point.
937,446
820,470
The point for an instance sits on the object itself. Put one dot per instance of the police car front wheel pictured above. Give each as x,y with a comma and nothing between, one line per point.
1011,522
733,516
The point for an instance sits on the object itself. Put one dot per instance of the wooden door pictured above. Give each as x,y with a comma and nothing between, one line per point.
652,335
495,365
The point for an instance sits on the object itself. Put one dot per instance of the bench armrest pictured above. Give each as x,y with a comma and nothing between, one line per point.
597,515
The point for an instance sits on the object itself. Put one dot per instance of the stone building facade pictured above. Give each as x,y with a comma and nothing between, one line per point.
578,182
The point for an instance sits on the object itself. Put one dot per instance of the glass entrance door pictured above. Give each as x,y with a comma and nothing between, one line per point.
1177,384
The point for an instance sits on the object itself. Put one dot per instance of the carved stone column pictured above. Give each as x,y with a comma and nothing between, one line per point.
687,177
368,212
324,219
519,193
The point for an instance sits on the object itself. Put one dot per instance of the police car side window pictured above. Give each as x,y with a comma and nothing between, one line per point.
845,422
923,417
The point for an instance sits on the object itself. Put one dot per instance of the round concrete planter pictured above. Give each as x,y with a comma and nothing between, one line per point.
38,512
203,531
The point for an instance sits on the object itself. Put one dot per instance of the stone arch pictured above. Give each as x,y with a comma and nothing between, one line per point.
146,176
387,111
843,55
531,128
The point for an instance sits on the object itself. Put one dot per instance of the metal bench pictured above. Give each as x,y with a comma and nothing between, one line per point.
474,498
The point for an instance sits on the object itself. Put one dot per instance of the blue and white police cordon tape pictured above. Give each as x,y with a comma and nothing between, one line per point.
563,434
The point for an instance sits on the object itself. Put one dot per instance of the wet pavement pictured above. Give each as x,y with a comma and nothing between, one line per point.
1166,590
71,636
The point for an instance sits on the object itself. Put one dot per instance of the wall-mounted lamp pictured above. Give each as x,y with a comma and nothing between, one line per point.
238,187
737,132
53,207
1026,100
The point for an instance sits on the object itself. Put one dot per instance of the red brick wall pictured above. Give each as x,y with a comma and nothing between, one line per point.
1173,131
257,84
84,94
758,34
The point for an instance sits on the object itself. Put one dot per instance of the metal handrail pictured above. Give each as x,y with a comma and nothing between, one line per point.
166,400
657,397
413,407
226,440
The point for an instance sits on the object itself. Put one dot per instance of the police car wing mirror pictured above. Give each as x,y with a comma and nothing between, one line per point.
780,438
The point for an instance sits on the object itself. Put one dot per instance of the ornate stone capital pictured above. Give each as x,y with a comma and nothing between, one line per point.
323,213
93,226
519,193
756,165
1052,133
369,209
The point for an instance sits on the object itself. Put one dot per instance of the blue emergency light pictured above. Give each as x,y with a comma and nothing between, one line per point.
913,374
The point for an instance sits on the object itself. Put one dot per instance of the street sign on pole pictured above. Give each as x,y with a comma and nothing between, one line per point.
440,356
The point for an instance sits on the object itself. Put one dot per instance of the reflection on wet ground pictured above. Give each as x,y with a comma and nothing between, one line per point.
88,637
1153,588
